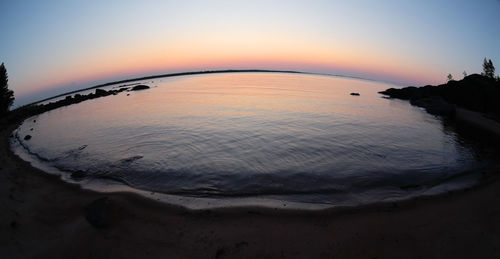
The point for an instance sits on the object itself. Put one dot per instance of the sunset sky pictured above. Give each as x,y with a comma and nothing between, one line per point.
50,47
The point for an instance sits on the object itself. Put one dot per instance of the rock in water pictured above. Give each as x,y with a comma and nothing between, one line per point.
131,159
100,92
96,213
27,137
140,87
355,94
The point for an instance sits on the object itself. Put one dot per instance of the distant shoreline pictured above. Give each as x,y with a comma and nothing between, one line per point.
173,75
205,72
28,110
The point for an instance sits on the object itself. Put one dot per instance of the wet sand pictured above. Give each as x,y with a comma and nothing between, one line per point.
43,217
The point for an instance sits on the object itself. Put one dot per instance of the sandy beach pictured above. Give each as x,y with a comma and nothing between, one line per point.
43,217
249,129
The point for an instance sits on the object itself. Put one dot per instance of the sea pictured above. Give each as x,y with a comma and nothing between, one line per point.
254,139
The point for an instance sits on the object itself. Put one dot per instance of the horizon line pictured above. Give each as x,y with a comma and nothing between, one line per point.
203,72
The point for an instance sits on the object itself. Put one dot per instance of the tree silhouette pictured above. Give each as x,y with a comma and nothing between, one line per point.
6,95
465,74
450,77
488,68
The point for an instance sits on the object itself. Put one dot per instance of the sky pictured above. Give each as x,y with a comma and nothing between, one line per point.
51,47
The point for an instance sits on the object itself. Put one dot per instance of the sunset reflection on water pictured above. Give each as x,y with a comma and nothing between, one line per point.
253,134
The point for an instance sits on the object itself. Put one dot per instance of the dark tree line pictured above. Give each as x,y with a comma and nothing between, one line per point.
488,68
6,95
488,71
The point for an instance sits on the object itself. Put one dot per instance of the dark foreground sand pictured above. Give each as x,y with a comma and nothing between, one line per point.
43,217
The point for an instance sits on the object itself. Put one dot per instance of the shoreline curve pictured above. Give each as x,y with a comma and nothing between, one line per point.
45,216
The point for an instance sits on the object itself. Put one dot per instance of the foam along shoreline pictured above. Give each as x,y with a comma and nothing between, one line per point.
45,217
105,186
204,203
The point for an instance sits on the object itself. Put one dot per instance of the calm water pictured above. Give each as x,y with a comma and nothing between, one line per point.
276,136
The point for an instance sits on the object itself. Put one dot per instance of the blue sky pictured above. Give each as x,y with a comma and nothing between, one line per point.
50,47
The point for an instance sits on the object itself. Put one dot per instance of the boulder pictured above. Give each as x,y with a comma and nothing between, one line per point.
355,94
100,92
96,213
139,87
27,137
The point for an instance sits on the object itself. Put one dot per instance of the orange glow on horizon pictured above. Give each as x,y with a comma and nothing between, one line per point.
188,56
50,48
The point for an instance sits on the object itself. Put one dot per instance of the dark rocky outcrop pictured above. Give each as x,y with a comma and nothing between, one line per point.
355,94
96,213
100,92
139,87
34,109
435,105
27,137
474,92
